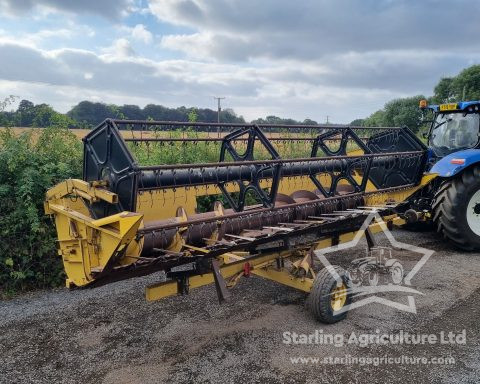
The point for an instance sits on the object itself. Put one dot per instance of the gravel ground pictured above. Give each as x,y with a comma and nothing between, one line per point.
112,335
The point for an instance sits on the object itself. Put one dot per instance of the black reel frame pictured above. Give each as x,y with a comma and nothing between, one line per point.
254,134
346,171
107,157
392,157
396,171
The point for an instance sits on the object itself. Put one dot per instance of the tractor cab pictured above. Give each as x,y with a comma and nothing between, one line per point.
455,127
453,140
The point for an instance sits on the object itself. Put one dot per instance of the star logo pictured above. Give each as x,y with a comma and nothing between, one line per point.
371,265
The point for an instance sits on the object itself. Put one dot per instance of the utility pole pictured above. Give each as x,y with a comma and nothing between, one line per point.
218,113
327,120
219,107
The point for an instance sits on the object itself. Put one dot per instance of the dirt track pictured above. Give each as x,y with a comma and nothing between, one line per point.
111,335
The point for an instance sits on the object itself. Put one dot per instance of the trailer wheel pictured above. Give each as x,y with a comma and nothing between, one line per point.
456,210
328,299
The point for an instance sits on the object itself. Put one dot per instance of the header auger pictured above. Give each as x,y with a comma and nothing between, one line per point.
224,201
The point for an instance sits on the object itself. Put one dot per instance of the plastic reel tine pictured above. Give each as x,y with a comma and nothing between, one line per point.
202,170
202,227
184,145
151,198
302,179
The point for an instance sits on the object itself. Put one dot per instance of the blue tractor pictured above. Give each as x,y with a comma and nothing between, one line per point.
454,146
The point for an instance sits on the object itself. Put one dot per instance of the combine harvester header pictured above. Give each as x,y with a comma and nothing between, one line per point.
260,201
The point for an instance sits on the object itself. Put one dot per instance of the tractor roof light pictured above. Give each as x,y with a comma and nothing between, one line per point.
423,104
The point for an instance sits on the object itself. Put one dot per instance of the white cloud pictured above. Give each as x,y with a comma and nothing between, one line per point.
284,89
110,9
141,33
192,45
244,29
48,33
35,39
341,58
121,48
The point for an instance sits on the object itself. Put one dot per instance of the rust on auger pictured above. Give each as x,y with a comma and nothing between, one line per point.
273,194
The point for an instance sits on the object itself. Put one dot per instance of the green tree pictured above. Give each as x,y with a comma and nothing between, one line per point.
93,113
132,112
229,116
463,87
192,116
7,118
357,123
466,85
309,122
25,113
443,91
398,113
404,112
376,119
281,121
43,116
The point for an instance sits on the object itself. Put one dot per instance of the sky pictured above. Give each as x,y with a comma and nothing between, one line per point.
298,59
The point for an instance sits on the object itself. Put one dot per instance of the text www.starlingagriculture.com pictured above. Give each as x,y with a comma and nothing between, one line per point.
373,360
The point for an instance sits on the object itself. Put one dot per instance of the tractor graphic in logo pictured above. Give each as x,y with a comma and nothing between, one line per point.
372,278
378,267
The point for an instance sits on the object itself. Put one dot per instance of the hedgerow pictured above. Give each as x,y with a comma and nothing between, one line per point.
30,163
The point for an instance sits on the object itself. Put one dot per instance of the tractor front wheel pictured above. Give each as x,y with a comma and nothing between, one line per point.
456,209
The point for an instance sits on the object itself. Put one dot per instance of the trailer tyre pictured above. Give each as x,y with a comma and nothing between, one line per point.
456,210
328,298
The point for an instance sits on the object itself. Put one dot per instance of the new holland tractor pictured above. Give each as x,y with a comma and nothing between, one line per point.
454,155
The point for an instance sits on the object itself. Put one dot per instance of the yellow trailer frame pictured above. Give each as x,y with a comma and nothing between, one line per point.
268,266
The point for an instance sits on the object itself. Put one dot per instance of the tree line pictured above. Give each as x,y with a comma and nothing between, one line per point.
405,111
87,114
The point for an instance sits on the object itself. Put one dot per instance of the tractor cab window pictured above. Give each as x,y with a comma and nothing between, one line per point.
454,131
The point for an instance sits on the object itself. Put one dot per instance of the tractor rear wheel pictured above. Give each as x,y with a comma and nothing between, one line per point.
456,209
329,299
